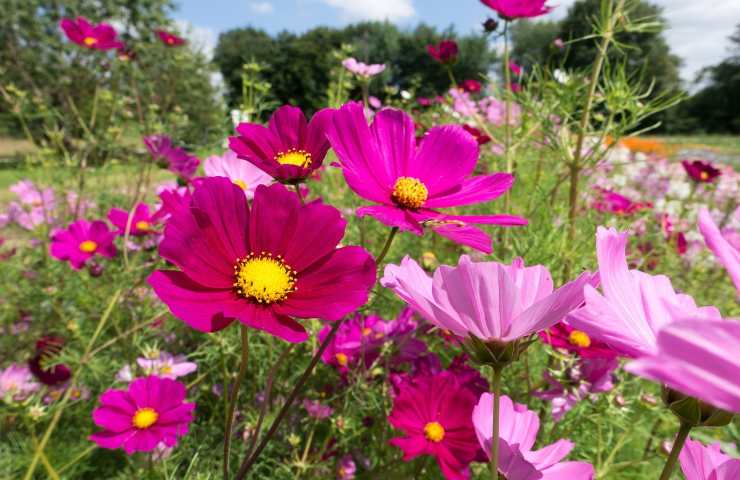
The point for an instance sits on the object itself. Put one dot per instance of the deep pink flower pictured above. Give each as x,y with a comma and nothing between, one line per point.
518,432
99,37
701,171
471,86
47,348
488,300
289,148
242,173
317,409
363,69
480,137
169,39
558,43
698,357
707,463
17,382
513,9
150,411
142,222
445,52
726,252
382,163
175,159
634,306
565,337
260,265
173,200
434,413
612,202
516,69
125,53
81,241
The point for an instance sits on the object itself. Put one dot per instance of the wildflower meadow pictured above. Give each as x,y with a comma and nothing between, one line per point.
499,267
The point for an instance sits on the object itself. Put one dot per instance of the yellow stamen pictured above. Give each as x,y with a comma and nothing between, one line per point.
299,158
341,359
366,331
89,41
434,431
579,339
88,246
240,183
144,226
145,418
704,176
410,192
264,278
165,369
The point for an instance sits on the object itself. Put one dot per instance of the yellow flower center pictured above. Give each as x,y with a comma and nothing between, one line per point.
704,175
434,431
299,158
579,339
145,418
366,331
143,226
341,359
240,183
90,41
410,192
88,246
170,40
165,370
264,278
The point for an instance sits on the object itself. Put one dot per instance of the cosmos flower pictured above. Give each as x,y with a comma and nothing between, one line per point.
362,69
289,148
261,265
518,432
346,468
515,68
244,174
700,171
166,155
81,241
142,222
564,337
480,137
707,463
611,202
445,52
697,357
513,9
471,86
167,365
169,39
634,306
172,200
382,163
435,415
47,348
150,411
727,253
17,382
316,409
98,37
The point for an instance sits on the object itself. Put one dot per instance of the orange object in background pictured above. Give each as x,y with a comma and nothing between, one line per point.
645,145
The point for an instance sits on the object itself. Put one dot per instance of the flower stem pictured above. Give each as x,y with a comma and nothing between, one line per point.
249,461
683,434
297,188
379,258
495,435
233,397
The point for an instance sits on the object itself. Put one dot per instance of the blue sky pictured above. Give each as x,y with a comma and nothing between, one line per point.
698,29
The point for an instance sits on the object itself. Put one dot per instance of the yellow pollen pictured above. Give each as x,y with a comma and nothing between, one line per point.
341,359
434,431
143,226
410,192
366,331
264,278
240,183
579,339
704,175
145,418
299,158
90,41
88,246
165,369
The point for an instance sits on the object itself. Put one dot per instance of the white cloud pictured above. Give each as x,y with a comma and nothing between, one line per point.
261,8
374,9
202,39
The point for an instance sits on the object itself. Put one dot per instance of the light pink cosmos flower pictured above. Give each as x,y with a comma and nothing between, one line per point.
707,463
17,382
167,365
518,432
488,300
727,254
316,409
346,468
634,306
363,69
242,173
698,357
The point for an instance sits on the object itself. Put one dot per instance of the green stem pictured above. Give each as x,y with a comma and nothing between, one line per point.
683,434
453,83
496,408
379,258
297,188
233,397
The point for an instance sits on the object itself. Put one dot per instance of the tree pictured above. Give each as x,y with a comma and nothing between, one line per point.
533,41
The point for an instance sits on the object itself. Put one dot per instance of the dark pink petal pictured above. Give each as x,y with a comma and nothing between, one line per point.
316,232
256,144
393,217
112,419
272,321
412,447
317,142
223,207
144,440
446,156
275,212
472,190
395,136
289,125
468,235
112,440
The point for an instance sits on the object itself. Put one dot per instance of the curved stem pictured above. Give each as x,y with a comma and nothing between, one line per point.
249,461
683,434
379,258
496,408
233,397
297,188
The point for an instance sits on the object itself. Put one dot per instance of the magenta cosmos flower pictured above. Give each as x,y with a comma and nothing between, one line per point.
471,86
707,463
434,413
151,411
726,252
487,300
445,52
169,39
363,69
99,37
634,305
513,9
242,173
518,432
262,265
611,202
81,241
175,159
565,337
142,221
289,148
381,163
697,357
700,171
